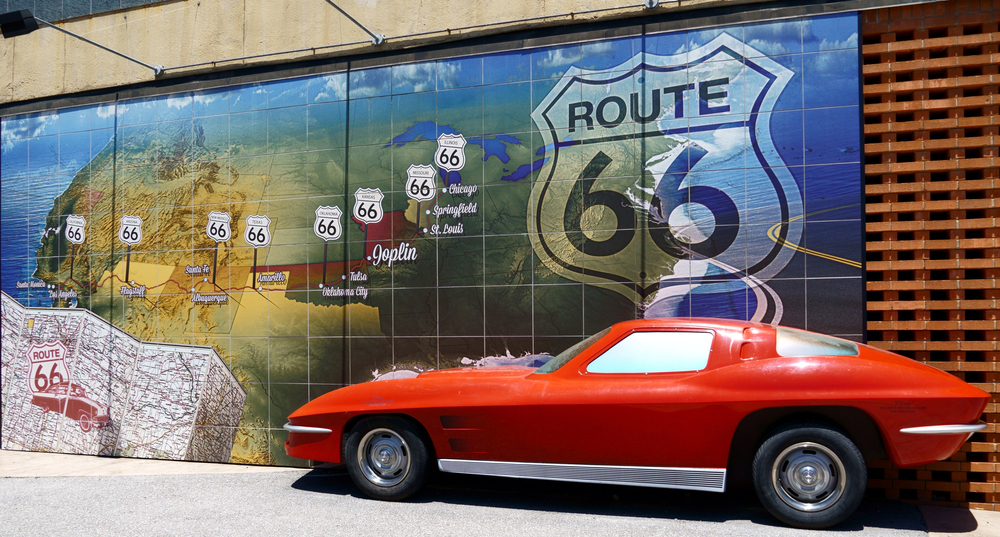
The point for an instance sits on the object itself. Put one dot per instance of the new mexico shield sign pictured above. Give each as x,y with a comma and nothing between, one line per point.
662,177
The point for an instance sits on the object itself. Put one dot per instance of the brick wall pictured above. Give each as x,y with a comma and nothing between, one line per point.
932,188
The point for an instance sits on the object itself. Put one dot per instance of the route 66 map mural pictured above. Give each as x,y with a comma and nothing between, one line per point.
180,272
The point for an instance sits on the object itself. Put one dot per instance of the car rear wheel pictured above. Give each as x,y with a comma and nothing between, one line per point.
809,476
386,458
86,424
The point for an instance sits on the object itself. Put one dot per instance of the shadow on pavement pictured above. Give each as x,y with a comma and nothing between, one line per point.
609,500
949,520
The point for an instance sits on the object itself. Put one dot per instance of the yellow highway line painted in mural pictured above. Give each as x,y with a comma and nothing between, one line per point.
771,233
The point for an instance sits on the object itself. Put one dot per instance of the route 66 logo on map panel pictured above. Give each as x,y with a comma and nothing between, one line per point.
368,205
130,231
420,182
217,228
327,225
450,154
75,229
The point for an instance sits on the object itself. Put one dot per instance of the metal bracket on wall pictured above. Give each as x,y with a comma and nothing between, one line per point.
650,4
377,39
157,69
22,22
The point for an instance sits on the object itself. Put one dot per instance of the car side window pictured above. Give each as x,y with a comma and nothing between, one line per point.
655,352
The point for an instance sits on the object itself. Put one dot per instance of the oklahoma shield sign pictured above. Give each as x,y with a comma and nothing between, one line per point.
658,170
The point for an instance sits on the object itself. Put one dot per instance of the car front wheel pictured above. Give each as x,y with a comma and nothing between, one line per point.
386,458
809,476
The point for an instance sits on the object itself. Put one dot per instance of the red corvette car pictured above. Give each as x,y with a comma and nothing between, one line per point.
72,401
673,403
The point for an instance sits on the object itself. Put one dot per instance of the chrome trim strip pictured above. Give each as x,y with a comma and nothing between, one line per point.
303,429
946,429
707,479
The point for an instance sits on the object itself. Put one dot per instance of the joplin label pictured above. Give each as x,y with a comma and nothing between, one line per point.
404,253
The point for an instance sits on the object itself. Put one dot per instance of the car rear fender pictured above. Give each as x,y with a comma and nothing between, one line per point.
755,427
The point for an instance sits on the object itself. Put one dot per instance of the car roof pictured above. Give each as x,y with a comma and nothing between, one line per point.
690,322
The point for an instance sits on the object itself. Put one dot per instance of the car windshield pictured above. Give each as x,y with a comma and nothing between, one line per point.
565,356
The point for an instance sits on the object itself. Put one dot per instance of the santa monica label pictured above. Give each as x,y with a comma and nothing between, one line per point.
656,169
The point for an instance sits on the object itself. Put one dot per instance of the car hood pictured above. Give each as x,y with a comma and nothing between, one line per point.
429,389
479,372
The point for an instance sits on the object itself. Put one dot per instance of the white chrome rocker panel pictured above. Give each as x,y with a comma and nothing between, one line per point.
707,479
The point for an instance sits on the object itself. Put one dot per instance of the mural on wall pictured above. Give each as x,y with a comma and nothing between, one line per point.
68,373
328,230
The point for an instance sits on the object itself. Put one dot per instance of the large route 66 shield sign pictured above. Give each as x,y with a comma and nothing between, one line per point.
327,225
217,227
600,205
130,230
450,154
368,205
257,233
75,229
420,182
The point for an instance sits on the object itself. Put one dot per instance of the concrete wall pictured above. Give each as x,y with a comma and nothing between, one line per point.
47,62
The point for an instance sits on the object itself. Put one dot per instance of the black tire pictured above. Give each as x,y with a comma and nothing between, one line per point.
809,475
386,458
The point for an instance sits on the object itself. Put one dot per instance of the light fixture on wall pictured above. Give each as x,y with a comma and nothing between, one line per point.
22,22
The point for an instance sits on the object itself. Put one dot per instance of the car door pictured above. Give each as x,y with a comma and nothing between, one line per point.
641,402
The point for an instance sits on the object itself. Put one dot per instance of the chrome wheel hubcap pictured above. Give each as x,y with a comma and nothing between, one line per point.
808,477
383,457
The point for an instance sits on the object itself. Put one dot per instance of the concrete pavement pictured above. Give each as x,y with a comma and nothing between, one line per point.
48,493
